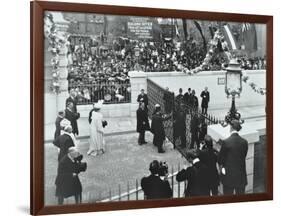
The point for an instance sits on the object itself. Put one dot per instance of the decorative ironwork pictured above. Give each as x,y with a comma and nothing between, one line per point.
167,101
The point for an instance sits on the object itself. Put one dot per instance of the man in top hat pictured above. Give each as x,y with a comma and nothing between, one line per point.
157,128
142,97
72,98
232,159
72,116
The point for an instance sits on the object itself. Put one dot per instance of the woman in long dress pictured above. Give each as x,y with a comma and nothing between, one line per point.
97,145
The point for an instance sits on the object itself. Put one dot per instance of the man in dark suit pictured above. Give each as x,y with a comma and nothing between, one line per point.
186,96
205,95
67,181
232,158
72,116
209,156
157,128
72,98
193,101
194,129
153,187
179,98
142,97
196,175
142,123
64,142
180,125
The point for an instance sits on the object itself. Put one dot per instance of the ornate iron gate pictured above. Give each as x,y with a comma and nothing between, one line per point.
158,95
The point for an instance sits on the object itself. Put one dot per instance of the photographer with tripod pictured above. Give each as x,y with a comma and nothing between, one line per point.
156,186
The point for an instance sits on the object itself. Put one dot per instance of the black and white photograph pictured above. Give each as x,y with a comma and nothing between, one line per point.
142,108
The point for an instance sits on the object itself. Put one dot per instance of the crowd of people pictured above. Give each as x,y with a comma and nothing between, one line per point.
100,70
205,170
203,174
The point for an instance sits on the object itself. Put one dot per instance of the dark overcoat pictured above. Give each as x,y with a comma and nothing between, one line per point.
157,128
72,117
142,121
205,99
232,157
74,101
63,142
210,158
58,127
197,178
155,188
67,181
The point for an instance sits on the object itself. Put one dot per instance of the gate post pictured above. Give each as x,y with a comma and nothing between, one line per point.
138,80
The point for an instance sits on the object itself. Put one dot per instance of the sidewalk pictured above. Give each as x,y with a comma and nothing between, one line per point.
128,124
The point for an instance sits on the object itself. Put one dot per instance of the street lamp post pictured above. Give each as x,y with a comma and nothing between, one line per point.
233,88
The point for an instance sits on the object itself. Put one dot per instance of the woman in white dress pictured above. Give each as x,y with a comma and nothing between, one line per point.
97,145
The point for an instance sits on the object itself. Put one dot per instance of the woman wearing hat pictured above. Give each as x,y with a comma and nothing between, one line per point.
96,131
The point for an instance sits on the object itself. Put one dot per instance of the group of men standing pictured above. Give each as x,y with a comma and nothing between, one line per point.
157,126
206,170
190,99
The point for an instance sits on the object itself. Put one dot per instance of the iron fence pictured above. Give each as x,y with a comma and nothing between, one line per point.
167,100
110,92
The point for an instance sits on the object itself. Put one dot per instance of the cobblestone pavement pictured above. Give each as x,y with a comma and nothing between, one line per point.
124,162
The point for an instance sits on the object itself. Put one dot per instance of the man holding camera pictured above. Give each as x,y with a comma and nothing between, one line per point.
153,186
67,181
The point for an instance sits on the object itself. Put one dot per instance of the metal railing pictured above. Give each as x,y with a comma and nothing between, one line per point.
110,92
133,190
167,100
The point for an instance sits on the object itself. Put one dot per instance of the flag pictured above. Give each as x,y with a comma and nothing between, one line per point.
249,37
228,36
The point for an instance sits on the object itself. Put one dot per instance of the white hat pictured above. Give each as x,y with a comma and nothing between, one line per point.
64,123
98,105
157,105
